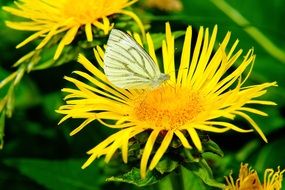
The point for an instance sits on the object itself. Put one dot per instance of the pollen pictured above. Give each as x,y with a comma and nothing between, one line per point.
168,107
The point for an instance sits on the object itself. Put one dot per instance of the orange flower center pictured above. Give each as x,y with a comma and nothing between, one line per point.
88,11
167,107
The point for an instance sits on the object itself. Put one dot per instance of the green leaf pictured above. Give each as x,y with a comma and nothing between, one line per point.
166,165
203,170
55,175
133,177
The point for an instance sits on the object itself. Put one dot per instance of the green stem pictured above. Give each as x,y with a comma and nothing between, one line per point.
254,32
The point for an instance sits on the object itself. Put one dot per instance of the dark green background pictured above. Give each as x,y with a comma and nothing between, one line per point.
38,154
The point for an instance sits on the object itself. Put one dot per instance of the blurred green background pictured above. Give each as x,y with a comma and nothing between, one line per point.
38,154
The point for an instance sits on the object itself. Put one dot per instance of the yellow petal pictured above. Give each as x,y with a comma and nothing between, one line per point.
185,57
136,19
195,57
66,40
88,32
195,138
183,139
161,150
47,38
151,48
80,127
253,124
31,38
228,125
147,151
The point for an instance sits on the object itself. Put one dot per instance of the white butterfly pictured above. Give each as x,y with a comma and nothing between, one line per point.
127,65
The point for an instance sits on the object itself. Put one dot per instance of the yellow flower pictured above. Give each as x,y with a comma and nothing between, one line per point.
47,18
166,5
194,99
249,180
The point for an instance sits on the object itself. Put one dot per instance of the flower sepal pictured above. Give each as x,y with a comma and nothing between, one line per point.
198,162
204,172
166,165
212,147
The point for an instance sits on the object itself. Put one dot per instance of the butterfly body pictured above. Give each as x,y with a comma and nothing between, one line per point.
161,79
127,65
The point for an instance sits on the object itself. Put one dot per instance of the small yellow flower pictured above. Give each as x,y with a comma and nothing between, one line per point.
47,18
249,180
194,99
165,5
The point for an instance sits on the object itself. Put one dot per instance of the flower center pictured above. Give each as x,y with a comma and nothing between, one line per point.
88,11
168,107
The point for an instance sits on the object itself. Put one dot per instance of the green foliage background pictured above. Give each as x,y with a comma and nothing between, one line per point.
38,154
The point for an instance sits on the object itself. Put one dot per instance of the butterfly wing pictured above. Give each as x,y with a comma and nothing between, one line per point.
127,64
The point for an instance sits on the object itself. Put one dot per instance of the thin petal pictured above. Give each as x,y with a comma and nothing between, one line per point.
202,63
151,48
195,57
98,149
228,125
47,38
195,138
24,58
88,32
80,127
31,38
99,54
185,57
147,151
102,86
138,39
107,25
117,143
252,110
168,53
182,138
161,150
207,128
136,19
262,102
8,79
125,143
254,125
95,71
66,40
